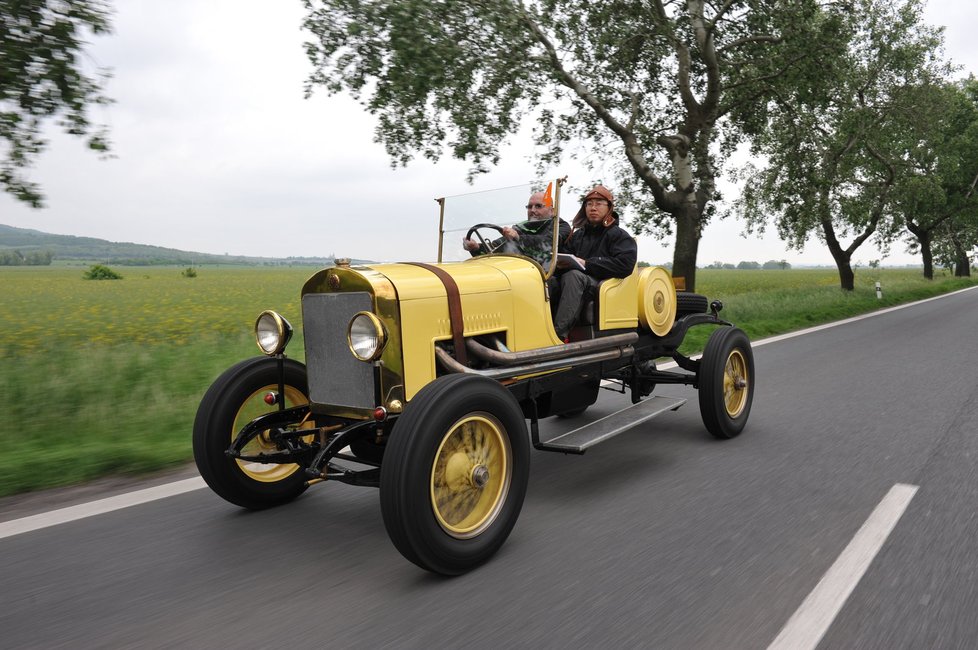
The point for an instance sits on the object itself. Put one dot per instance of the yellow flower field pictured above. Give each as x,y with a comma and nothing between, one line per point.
51,307
104,377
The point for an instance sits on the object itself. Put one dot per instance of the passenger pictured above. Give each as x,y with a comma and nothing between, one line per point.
533,237
598,246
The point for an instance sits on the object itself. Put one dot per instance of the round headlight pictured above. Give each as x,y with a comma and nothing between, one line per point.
272,332
366,336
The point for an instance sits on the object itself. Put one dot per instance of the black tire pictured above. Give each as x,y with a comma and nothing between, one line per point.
232,401
455,473
726,382
690,303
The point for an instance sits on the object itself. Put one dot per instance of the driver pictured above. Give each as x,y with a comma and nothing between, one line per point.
533,237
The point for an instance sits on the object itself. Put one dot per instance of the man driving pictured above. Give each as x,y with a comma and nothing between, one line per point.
533,238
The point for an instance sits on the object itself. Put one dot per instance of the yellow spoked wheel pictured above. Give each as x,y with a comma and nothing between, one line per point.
253,406
234,399
470,475
735,383
726,382
455,473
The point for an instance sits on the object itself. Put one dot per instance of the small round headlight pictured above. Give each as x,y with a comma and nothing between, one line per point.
366,336
272,332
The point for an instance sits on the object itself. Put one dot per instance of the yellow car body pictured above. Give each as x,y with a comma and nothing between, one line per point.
499,294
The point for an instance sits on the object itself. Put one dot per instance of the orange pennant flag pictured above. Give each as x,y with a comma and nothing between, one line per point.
548,199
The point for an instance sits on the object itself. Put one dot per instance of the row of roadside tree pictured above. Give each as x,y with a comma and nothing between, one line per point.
859,130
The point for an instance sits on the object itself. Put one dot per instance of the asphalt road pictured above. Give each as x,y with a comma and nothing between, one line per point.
659,538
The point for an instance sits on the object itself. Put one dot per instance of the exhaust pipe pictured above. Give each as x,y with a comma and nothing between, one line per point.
452,365
562,351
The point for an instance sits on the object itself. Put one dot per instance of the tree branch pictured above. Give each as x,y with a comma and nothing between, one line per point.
762,38
633,151
877,212
720,12
767,77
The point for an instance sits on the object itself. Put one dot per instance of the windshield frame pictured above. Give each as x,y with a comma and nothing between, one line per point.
452,213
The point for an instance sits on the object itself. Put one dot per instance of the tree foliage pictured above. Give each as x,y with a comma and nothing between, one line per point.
939,170
42,78
30,258
100,272
834,147
664,89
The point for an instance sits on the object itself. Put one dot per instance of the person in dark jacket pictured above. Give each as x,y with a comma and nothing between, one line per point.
598,249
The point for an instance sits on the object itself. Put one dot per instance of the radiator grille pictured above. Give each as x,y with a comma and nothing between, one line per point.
336,377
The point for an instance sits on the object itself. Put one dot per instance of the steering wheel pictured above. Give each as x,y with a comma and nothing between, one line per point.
484,244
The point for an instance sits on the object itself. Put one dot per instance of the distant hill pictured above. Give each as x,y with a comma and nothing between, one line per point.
69,247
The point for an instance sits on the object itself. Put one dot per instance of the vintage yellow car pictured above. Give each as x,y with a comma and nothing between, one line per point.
429,380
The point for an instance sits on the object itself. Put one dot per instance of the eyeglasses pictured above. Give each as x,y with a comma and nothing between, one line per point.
535,205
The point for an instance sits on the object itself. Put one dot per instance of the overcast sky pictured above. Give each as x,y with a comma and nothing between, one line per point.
217,151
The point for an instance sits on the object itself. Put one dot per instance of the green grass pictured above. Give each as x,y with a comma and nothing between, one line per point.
766,303
104,378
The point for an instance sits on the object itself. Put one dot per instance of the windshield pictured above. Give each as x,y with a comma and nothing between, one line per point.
498,222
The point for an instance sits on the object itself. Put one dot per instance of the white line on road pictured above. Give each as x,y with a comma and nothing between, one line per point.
64,515
809,623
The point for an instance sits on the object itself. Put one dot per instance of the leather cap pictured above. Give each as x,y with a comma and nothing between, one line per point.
600,192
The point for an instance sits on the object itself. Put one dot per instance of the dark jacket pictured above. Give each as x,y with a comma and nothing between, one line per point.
608,252
536,243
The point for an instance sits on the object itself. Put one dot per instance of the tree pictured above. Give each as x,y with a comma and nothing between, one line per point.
937,166
41,78
831,145
942,215
665,88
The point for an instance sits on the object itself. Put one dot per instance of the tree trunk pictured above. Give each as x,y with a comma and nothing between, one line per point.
843,258
847,279
962,263
925,252
923,238
687,244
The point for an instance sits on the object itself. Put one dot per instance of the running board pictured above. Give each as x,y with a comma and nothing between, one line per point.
578,440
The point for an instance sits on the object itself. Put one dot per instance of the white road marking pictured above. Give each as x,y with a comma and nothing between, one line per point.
809,623
64,515
92,508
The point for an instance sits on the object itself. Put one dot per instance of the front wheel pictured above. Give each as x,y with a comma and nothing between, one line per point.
455,473
234,399
726,382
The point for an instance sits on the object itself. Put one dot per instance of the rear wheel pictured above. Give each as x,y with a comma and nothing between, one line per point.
455,473
726,382
236,398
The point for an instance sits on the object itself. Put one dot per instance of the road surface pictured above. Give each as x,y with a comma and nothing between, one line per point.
843,517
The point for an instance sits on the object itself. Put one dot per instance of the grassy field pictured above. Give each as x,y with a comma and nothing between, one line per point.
104,377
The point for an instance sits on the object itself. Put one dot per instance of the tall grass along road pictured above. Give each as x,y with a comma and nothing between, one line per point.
104,377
